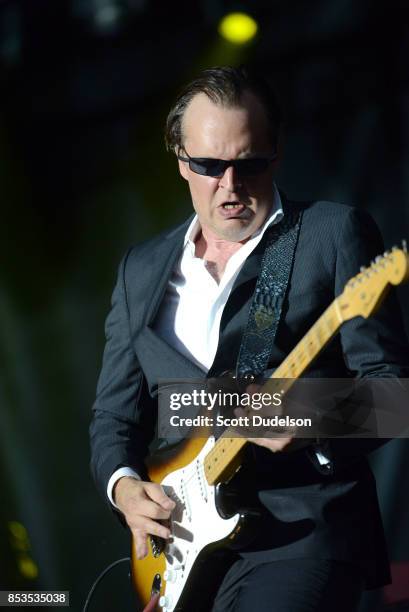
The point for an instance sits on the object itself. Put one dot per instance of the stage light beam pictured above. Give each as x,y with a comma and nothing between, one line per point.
238,28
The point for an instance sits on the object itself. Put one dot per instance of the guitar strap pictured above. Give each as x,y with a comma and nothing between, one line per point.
265,310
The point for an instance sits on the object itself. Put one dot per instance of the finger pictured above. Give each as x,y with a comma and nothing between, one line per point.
156,492
141,543
148,526
149,508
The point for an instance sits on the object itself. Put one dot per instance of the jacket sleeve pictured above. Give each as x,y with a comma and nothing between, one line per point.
375,347
124,413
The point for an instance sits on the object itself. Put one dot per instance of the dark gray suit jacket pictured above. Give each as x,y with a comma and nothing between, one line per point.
309,513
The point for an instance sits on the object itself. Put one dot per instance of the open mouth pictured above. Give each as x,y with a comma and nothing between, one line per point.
231,205
232,210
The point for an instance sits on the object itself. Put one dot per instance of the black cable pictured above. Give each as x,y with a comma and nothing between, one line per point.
97,581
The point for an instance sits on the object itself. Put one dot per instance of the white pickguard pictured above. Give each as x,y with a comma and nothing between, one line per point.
195,523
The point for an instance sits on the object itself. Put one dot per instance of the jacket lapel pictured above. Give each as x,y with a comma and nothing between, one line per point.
167,254
157,265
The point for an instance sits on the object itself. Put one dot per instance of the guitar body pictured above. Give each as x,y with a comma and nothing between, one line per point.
203,533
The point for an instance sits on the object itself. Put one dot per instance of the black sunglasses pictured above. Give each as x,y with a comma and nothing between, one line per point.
208,166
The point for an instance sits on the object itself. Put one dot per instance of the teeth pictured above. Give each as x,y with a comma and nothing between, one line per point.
228,206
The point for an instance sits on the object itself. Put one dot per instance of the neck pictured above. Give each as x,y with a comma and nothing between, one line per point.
216,251
209,242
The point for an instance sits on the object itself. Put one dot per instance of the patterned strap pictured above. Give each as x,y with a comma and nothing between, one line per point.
265,310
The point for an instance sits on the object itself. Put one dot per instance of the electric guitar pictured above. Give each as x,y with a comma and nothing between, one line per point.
194,473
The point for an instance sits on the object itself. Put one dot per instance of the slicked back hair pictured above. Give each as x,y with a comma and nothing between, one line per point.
224,86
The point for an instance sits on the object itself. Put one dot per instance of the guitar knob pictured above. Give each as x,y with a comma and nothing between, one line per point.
170,575
165,601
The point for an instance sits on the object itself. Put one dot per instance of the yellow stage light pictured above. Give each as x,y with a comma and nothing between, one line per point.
18,530
27,567
238,28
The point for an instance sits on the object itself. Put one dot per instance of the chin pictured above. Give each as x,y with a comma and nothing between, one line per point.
235,234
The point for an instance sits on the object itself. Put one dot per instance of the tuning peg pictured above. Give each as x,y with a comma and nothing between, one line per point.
365,271
379,261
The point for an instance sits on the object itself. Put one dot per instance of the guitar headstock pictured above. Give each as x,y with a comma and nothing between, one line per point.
364,292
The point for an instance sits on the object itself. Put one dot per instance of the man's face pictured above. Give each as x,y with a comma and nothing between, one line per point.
230,207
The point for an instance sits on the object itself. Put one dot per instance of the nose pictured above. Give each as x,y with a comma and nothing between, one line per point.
230,179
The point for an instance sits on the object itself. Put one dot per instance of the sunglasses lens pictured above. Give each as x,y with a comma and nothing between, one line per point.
207,166
251,167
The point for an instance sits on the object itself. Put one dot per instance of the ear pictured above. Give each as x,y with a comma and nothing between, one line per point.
183,169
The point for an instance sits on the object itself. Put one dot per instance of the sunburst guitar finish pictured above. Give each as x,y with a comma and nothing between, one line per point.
198,526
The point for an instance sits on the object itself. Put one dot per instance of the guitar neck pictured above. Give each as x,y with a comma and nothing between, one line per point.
225,457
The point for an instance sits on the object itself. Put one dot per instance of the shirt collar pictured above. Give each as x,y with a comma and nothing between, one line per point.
275,216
